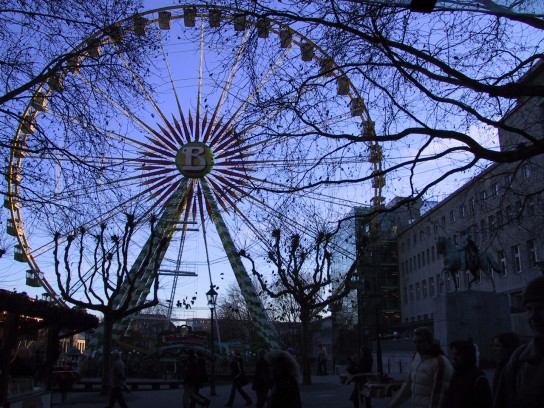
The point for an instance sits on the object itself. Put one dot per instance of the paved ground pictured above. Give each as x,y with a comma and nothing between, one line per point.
325,392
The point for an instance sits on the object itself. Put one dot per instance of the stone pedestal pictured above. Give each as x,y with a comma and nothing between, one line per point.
479,315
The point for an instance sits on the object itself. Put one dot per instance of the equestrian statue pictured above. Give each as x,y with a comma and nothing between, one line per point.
466,258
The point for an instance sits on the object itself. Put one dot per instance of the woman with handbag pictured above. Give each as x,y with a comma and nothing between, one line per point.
239,379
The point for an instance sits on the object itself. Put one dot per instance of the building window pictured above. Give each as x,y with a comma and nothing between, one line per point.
518,211
405,295
433,253
531,248
452,216
496,189
415,238
509,214
530,206
491,220
431,287
525,171
472,202
435,227
418,291
483,195
439,285
443,221
498,216
423,258
424,289
516,300
418,261
475,234
502,259
462,211
411,293
509,180
517,258
483,229
428,253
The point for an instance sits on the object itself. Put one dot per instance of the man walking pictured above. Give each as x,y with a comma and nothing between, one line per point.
117,381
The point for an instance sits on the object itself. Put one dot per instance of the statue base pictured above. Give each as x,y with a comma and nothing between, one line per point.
471,314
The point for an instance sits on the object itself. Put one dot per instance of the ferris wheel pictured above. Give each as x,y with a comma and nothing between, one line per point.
237,114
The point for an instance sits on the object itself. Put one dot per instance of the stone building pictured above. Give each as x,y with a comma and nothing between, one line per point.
502,209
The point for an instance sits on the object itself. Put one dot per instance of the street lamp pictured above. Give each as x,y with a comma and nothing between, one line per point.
211,295
379,360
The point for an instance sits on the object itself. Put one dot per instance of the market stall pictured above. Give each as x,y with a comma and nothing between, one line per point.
30,330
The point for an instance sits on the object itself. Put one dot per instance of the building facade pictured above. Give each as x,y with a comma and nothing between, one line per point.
371,310
502,210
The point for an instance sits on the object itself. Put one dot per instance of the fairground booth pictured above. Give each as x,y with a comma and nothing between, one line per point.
30,331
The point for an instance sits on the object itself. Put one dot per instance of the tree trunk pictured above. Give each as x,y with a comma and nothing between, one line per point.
106,353
306,360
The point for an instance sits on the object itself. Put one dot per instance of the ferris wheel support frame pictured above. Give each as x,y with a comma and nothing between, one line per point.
263,325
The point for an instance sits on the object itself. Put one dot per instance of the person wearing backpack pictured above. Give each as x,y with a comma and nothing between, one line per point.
469,386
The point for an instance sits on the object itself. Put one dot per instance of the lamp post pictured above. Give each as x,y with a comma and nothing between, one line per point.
379,360
211,295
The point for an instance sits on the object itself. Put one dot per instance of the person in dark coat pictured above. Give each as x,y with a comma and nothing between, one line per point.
262,379
285,376
192,383
364,365
202,374
239,379
117,381
469,386
521,382
504,345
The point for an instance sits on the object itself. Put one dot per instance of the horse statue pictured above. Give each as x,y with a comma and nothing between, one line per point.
466,258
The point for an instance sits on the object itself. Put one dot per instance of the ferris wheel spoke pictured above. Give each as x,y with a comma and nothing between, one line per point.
168,138
226,86
197,144
224,198
96,221
173,89
172,131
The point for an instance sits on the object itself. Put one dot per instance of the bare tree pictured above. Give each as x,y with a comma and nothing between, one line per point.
46,48
232,307
302,271
103,281
438,86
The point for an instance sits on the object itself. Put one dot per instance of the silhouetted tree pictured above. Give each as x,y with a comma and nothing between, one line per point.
303,272
96,275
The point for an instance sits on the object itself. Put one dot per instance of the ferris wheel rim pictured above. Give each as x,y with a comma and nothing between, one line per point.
45,89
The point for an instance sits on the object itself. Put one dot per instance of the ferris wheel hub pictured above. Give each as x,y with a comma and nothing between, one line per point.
194,159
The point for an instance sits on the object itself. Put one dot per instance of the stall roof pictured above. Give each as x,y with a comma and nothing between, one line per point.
45,312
